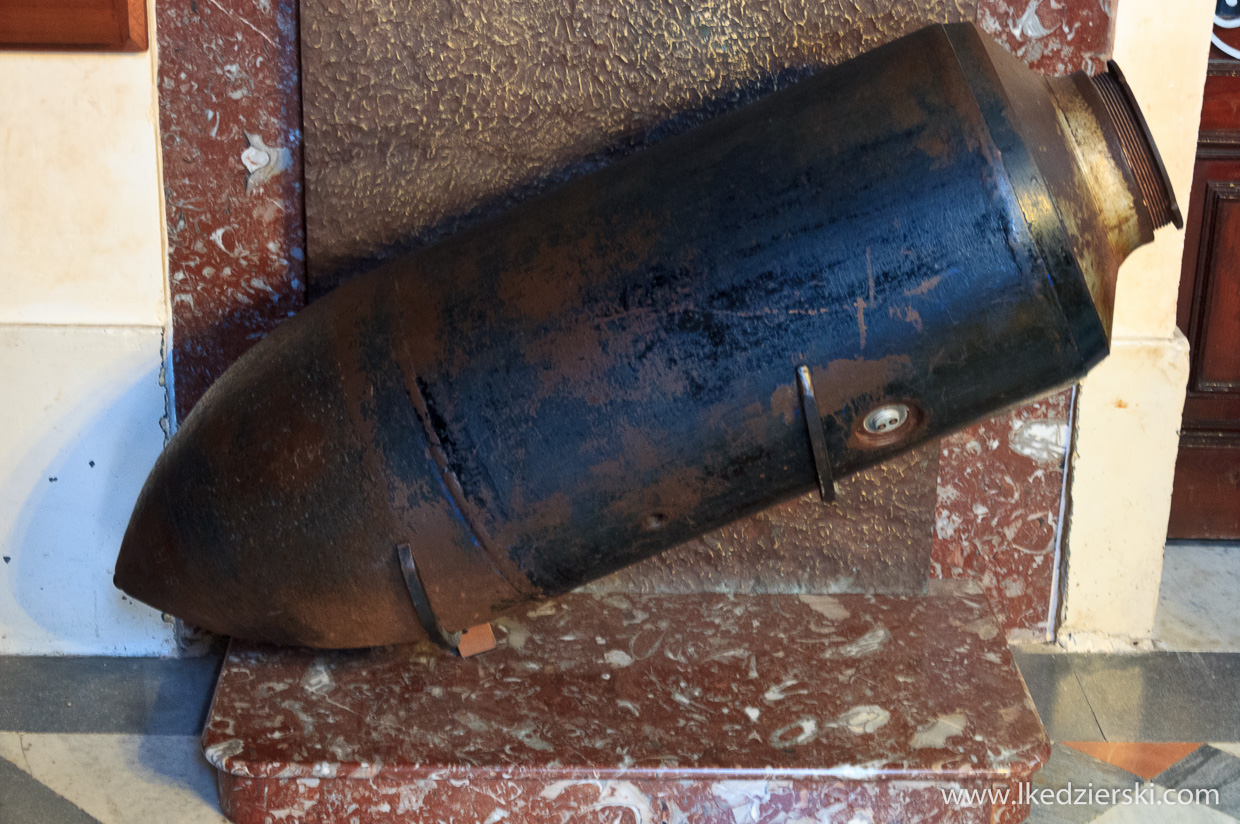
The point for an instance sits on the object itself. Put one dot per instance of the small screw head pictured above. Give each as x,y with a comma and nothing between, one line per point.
886,418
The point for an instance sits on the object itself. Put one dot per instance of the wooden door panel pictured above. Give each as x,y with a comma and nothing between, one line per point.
1214,321
1205,504
1220,110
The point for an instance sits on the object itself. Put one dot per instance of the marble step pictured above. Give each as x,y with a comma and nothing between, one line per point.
774,709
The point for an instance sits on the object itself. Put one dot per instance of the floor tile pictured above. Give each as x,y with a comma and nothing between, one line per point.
126,779
1071,767
1163,696
1197,605
1159,814
1058,695
1143,759
28,801
1208,768
115,695
11,747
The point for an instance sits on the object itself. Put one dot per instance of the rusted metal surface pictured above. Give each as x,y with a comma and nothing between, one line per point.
609,370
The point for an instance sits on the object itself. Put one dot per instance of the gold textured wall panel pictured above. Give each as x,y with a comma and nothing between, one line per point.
422,118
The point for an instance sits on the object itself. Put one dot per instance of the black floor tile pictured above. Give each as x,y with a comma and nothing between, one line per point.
1208,769
150,696
1058,696
1069,768
25,800
1163,696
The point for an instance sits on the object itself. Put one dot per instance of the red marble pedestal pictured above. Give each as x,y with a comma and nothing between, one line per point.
775,709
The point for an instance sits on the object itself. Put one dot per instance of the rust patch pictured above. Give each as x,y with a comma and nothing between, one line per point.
786,403
907,314
924,288
841,380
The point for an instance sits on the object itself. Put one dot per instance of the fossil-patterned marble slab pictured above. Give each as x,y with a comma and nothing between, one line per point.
675,707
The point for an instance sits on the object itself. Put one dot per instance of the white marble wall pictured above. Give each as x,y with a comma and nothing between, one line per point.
82,328
1128,416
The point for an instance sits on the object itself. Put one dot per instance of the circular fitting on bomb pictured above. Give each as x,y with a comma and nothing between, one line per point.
889,423
887,418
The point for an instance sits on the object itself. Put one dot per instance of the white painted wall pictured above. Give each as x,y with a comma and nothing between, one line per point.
80,239
82,326
1128,416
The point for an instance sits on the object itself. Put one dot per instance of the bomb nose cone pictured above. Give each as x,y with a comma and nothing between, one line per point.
147,567
263,518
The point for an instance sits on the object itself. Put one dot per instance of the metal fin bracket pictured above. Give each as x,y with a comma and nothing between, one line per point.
421,603
817,436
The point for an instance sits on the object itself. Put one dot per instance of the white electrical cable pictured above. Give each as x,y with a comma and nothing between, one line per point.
1223,23
1231,51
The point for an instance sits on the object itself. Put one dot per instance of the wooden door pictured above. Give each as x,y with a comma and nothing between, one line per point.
1206,500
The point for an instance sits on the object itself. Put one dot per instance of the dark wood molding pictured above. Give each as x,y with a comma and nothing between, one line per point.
1217,193
1218,144
77,25
1210,439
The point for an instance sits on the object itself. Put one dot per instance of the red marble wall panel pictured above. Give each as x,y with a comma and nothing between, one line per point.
230,122
998,509
1053,36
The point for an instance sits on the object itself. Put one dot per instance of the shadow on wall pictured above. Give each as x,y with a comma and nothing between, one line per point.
331,269
86,455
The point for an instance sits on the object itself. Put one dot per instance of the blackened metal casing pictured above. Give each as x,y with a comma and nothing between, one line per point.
611,368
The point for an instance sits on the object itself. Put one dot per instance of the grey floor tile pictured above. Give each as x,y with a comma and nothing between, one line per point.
24,799
1208,769
1067,766
1197,605
1058,695
1163,696
1159,814
148,696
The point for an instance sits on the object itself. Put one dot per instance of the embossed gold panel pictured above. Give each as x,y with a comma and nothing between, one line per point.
423,118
